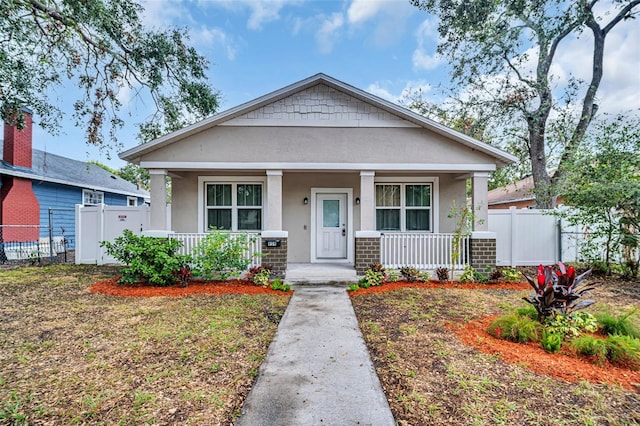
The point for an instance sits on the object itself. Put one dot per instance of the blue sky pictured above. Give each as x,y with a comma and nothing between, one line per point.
383,46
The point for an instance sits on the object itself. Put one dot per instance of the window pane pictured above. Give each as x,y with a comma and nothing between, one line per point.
249,195
249,219
219,195
330,213
388,195
387,220
418,195
418,220
220,218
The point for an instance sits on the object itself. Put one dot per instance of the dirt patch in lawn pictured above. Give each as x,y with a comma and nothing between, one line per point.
113,288
424,344
437,284
69,356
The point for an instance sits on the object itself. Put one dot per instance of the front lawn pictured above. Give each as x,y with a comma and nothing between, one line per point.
68,356
430,377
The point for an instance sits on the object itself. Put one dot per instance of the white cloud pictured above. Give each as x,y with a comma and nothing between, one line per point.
427,37
362,10
383,90
212,37
329,32
261,12
162,13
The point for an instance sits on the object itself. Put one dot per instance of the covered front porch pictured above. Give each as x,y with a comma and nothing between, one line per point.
335,217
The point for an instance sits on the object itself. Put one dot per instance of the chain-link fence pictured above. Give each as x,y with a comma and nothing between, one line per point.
52,241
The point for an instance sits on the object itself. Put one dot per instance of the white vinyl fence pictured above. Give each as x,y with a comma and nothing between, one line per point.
530,237
105,223
422,251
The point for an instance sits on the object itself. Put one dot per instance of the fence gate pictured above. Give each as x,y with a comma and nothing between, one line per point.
105,223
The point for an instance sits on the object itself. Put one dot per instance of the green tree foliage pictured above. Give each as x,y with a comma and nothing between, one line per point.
501,53
135,174
103,48
603,186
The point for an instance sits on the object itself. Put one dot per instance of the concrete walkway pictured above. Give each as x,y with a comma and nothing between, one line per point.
317,370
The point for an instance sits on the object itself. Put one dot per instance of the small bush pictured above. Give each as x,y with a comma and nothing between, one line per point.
354,287
551,341
393,276
442,273
624,351
468,275
622,325
495,275
278,285
511,275
260,275
147,259
377,267
572,325
410,273
516,328
221,255
373,278
590,346
424,276
527,311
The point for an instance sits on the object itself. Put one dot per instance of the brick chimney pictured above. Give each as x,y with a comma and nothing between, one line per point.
18,203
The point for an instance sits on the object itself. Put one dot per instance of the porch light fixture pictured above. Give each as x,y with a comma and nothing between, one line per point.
305,201
357,201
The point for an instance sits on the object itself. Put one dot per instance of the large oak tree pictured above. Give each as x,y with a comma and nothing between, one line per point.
102,47
501,53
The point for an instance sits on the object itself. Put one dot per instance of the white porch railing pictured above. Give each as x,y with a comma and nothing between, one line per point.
190,240
422,251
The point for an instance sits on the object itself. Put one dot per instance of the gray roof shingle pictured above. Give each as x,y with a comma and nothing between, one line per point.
55,168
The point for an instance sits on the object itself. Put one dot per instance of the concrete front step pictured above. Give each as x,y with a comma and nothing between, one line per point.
320,273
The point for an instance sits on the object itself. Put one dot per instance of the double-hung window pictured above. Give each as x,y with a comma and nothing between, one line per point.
403,207
91,198
234,206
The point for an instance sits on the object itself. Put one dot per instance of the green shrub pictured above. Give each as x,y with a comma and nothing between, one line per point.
572,325
511,275
149,260
622,325
410,273
624,351
468,275
393,276
527,311
551,341
220,255
516,328
424,276
373,278
442,273
591,346
278,285
354,287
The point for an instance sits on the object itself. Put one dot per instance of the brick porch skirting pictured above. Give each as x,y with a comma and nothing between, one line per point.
276,257
367,252
482,254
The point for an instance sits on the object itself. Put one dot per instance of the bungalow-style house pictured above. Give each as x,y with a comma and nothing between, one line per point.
324,172
34,183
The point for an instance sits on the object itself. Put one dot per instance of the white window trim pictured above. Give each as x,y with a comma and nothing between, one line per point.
89,193
133,200
203,181
414,180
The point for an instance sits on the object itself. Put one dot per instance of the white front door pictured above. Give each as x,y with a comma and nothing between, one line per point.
331,226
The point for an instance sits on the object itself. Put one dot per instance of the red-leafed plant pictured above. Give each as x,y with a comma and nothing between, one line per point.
556,291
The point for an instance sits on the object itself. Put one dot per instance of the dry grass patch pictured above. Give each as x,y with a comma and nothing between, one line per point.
71,357
430,377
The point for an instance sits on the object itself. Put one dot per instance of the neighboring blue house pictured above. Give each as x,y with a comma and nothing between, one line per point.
35,184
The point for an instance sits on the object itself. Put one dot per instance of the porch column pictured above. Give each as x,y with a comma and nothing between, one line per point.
482,250
157,181
274,238
367,238
480,201
274,200
367,201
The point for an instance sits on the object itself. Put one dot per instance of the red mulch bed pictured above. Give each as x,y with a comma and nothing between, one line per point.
533,357
112,288
437,284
